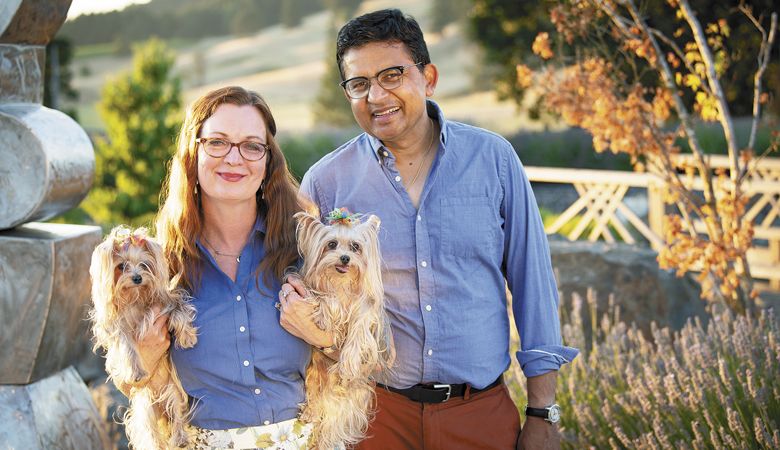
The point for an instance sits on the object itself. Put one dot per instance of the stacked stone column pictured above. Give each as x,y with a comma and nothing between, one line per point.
46,168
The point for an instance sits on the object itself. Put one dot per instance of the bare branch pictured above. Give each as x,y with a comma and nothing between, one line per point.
679,54
756,161
668,79
712,79
763,62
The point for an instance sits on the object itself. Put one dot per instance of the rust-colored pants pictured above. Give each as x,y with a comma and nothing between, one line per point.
486,420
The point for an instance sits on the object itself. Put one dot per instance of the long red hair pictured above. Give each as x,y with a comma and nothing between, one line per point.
180,219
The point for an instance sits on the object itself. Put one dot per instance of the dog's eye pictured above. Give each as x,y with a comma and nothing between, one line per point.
355,247
121,267
144,266
332,245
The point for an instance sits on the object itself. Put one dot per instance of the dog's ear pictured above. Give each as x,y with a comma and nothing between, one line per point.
373,222
369,231
101,270
308,227
143,240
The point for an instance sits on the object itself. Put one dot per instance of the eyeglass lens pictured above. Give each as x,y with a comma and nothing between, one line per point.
390,78
249,150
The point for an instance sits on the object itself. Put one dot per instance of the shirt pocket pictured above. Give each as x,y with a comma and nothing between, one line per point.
469,225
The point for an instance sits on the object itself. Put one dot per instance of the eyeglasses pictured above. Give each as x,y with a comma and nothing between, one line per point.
219,148
389,78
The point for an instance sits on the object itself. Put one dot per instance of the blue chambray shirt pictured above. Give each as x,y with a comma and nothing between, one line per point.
444,265
245,370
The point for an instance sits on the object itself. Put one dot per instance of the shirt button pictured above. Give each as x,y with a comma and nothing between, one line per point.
397,178
257,391
242,329
267,422
430,352
419,217
384,153
238,298
246,363
428,307
424,264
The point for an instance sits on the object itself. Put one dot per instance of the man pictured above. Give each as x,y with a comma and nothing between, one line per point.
458,218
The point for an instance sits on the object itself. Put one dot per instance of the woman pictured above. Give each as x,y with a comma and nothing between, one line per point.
228,232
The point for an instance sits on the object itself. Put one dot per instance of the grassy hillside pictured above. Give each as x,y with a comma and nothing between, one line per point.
285,66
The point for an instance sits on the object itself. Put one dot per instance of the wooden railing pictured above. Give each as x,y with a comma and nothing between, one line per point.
603,213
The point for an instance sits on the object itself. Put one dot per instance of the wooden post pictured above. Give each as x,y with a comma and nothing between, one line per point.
655,209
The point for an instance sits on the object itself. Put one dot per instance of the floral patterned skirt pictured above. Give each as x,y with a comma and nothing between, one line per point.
288,435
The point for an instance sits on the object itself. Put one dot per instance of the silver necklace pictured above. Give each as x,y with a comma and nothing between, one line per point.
219,253
425,155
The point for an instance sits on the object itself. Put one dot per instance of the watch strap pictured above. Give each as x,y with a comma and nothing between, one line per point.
550,413
544,413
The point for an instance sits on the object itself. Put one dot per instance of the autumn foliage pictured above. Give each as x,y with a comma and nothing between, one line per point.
644,100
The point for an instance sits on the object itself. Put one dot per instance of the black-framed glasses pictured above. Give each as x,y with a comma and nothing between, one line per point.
219,148
389,78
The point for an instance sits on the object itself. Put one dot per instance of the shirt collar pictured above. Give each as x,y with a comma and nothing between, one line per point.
259,225
433,110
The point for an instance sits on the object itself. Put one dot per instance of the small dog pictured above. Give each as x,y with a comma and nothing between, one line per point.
129,276
341,270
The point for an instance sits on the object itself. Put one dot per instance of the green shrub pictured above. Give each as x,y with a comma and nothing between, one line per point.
707,386
571,148
141,110
303,150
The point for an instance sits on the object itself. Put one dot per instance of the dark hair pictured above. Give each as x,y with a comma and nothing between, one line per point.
386,25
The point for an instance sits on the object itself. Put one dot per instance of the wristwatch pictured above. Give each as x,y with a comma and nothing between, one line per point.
551,413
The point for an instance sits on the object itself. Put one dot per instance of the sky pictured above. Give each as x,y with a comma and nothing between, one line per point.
79,7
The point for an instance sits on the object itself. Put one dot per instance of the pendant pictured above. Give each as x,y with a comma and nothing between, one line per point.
238,259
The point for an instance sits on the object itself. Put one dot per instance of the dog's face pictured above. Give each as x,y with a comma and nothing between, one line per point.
341,253
128,266
133,265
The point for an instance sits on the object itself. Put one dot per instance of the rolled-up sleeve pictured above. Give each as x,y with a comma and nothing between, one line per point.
529,274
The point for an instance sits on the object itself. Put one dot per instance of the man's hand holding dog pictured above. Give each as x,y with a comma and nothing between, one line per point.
296,314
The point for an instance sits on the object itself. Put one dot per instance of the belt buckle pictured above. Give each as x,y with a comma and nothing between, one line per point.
443,386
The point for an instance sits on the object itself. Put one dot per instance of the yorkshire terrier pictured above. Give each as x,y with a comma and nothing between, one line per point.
341,270
129,276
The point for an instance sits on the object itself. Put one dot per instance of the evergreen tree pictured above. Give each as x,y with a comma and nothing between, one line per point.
58,87
505,29
292,13
141,110
330,106
444,12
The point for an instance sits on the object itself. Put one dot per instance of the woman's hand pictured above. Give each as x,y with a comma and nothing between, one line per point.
296,314
151,349
153,345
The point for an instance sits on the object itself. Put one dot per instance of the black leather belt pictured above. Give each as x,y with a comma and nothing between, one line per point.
438,393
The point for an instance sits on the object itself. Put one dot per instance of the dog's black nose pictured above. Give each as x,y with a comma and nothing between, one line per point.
137,279
344,259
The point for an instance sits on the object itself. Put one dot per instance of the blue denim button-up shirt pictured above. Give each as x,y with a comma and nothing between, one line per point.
245,369
444,264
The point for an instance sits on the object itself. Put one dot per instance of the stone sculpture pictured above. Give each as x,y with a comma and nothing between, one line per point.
46,168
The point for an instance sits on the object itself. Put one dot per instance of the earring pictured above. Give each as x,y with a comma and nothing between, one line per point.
196,187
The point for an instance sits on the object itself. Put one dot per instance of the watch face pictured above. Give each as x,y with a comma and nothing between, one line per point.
554,414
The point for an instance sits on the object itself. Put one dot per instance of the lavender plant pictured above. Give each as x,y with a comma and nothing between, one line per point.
707,386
